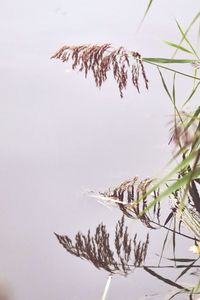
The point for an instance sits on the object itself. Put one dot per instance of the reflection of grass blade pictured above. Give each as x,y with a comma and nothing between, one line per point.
105,292
178,47
169,218
174,240
166,280
163,246
186,269
174,295
182,259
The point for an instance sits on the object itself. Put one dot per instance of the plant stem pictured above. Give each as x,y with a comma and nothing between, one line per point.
105,292
170,69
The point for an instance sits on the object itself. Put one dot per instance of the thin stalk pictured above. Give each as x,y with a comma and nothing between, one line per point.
105,292
170,69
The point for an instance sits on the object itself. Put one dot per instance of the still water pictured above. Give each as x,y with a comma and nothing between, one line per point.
61,137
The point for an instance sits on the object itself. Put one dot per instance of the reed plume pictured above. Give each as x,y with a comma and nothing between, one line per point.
99,59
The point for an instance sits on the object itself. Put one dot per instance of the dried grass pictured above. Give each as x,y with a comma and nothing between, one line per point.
99,59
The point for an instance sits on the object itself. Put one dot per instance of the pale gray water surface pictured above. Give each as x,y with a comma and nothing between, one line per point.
60,137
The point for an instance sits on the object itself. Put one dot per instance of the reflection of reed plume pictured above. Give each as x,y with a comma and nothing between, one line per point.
99,59
127,255
132,195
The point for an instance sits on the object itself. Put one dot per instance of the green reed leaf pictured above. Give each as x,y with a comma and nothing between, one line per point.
186,39
146,12
192,94
197,16
161,60
178,47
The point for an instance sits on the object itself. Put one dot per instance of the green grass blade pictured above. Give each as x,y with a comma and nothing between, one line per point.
161,60
198,37
192,94
178,47
173,96
153,61
186,39
175,186
165,85
145,14
197,16
184,163
193,118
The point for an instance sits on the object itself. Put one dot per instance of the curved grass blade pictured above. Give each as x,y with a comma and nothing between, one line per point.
174,295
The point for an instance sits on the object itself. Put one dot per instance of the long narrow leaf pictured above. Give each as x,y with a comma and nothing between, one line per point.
146,12
177,185
178,47
180,166
165,85
154,63
161,60
166,280
182,259
186,270
186,39
192,94
197,16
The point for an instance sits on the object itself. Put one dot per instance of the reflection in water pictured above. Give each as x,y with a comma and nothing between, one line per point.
133,198
134,190
127,254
